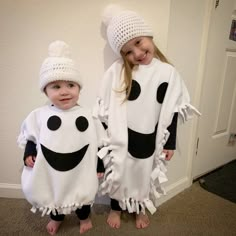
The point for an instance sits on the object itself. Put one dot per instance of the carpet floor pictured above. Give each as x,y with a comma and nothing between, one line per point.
193,212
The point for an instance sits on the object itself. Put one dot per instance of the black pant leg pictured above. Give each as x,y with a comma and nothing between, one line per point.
115,205
83,213
57,217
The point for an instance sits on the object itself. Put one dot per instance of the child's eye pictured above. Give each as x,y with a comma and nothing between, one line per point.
56,86
138,42
71,85
127,53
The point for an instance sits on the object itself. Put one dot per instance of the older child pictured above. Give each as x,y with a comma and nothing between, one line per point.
61,141
140,99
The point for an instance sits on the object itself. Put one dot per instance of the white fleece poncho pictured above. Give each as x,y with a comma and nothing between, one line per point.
137,131
64,175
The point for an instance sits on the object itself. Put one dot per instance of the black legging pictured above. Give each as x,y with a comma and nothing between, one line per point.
115,205
82,214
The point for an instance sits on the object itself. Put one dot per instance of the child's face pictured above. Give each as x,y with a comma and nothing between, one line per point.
63,94
139,51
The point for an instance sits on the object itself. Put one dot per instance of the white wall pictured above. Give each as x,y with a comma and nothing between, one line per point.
27,27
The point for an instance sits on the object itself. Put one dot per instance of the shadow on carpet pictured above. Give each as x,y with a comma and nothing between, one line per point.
221,181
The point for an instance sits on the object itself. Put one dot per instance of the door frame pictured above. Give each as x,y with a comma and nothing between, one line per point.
210,7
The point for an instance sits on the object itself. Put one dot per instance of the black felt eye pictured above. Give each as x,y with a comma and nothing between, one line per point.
54,123
161,92
135,91
81,123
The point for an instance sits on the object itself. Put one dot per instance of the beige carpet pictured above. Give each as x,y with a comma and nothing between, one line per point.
192,212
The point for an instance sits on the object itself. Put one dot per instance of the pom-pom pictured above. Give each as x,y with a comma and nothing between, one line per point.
109,12
59,49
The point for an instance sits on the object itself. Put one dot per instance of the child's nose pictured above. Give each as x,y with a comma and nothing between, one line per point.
137,53
63,90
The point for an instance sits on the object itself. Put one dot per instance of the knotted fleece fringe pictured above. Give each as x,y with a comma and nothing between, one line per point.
67,209
136,206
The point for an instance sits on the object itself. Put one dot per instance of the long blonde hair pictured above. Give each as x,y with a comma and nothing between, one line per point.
128,67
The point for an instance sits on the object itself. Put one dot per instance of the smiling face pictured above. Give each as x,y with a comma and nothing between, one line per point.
76,128
63,94
139,51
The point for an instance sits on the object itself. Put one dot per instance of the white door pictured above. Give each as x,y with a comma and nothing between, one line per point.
218,105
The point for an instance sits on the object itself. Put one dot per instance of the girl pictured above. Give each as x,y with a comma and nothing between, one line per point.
60,141
140,98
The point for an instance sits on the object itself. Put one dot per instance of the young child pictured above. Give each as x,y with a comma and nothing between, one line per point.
140,99
61,141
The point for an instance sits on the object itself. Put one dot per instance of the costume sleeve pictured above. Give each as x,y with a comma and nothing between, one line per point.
101,137
100,166
171,142
30,150
29,130
186,111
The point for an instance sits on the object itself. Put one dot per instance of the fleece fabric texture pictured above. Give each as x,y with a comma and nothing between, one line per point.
137,131
64,175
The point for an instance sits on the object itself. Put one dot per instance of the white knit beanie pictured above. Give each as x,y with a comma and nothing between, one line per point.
59,66
123,26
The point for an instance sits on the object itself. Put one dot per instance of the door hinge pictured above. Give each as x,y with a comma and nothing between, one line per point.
197,145
217,3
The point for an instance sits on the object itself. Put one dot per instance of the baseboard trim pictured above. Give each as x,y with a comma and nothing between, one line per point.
11,190
174,189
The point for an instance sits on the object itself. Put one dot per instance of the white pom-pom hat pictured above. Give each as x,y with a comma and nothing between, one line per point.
122,26
59,66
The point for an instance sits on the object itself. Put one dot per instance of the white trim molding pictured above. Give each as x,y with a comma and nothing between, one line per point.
174,189
11,190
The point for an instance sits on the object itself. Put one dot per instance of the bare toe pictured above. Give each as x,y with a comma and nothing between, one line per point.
53,226
142,221
85,225
114,219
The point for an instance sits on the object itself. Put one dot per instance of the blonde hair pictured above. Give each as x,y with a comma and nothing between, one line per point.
128,67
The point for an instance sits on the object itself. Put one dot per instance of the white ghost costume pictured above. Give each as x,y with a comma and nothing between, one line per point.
64,175
137,131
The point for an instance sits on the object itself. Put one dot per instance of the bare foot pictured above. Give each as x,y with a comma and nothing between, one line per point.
85,225
53,226
142,221
114,219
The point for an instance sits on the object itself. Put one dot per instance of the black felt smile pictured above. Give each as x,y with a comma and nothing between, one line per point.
63,161
141,145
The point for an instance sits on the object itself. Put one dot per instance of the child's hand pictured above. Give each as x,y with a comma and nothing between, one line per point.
169,154
100,175
29,161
